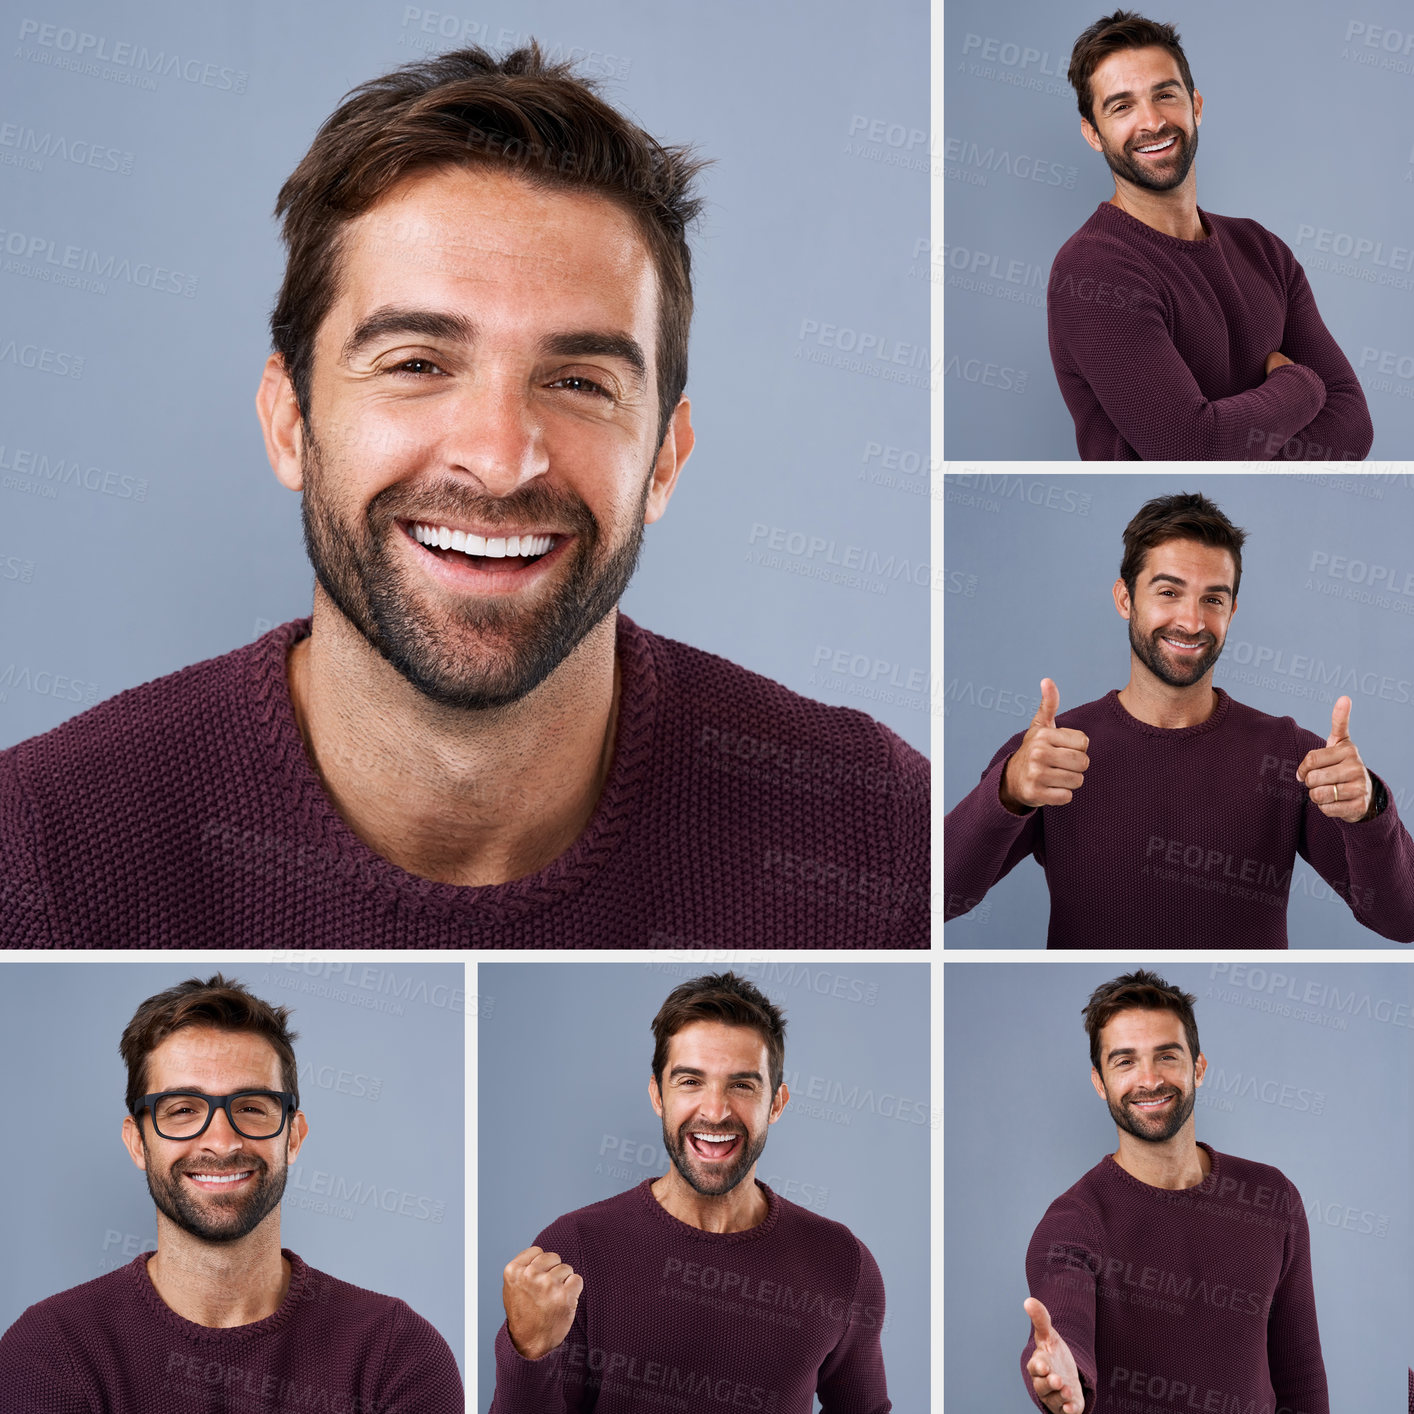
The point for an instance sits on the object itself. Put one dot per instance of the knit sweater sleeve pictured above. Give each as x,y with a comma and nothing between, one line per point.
1063,1264
909,825
555,1383
420,1374
36,1376
1342,430
851,1380
983,841
1293,1340
1370,864
24,898
1112,325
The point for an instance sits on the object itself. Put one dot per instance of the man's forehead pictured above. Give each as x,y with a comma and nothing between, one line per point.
701,1040
1151,63
210,1048
1181,549
1153,1026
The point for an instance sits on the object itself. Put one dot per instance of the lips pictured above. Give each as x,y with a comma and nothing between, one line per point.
1158,149
1155,1103
226,1182
712,1146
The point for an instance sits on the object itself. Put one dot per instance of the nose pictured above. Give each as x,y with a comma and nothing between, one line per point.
714,1107
1187,619
493,433
220,1134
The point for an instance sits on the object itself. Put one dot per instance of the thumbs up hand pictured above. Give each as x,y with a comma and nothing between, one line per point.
1050,764
1334,775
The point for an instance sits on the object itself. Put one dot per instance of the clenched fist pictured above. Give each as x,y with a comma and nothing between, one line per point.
541,1294
1050,764
1334,775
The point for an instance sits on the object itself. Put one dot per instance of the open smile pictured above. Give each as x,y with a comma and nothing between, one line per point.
220,1182
481,559
713,1148
1157,149
1179,646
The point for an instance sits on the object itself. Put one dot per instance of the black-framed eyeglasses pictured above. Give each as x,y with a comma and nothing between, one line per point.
185,1114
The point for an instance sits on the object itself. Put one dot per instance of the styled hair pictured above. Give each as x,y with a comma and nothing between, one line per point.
1125,29
1185,516
1146,991
722,996
520,114
226,1005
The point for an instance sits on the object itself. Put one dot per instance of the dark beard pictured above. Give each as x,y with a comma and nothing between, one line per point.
182,1207
1149,653
1148,175
727,1179
359,574
1177,1117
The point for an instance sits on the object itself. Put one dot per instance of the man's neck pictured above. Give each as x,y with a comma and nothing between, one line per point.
462,797
1174,212
1146,698
1177,1163
744,1207
220,1284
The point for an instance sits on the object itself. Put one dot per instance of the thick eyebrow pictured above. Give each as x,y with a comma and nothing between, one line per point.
1128,93
430,323
1183,584
702,1074
452,328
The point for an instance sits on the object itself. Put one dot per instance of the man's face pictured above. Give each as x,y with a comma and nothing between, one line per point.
1144,123
1146,1076
716,1104
219,1186
487,377
1180,610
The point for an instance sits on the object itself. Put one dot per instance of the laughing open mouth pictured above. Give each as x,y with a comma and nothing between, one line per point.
493,551
707,1145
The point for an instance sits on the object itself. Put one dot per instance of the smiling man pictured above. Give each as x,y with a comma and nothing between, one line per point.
1167,813
703,1287
477,390
1170,1276
1177,334
220,1316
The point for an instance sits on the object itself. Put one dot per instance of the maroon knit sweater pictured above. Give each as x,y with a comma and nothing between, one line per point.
735,814
112,1346
1180,837
672,1317
1160,347
1175,1301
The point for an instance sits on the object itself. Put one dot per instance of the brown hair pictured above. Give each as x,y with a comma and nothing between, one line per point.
1125,29
1146,991
519,114
721,997
1185,516
217,1002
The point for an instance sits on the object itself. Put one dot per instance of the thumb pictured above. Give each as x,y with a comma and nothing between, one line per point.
1340,722
1040,1318
1050,700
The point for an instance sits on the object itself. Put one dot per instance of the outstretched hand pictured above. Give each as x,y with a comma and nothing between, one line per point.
1052,1367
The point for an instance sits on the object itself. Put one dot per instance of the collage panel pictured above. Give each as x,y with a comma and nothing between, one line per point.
626,1262
300,1132
1195,689
1245,1247
351,660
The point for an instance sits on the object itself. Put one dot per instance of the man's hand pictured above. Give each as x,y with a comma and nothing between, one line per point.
1050,764
1334,775
540,1294
1276,359
1051,1366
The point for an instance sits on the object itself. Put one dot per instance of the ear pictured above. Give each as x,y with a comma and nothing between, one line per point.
1122,601
1098,1084
1091,135
132,1141
1200,1066
1197,108
674,452
280,421
655,1097
299,1127
778,1103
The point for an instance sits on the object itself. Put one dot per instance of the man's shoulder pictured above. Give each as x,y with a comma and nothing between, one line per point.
183,712
828,1239
343,1304
1252,720
66,1315
720,708
1249,1176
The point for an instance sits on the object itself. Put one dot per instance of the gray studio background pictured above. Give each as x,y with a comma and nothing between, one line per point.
1327,1045
570,1044
141,528
1029,561
1305,129
380,1054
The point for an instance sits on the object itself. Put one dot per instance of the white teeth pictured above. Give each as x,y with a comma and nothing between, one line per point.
1157,146
498,547
220,1177
715,1138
